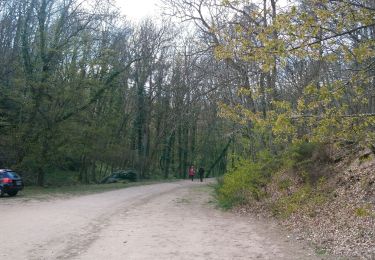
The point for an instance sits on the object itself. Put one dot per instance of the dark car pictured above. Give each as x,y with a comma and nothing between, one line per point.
121,176
10,182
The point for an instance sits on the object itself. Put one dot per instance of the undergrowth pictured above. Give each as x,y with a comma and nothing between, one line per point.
241,185
305,197
248,180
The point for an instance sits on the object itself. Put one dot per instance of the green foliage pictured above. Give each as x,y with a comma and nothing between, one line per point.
247,181
269,163
57,177
79,95
302,151
305,160
328,108
72,87
242,184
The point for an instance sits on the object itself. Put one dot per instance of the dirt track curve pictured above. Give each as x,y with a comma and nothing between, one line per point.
160,221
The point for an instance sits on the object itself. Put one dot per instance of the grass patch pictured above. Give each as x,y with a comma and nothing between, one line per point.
61,178
203,188
35,192
365,211
320,251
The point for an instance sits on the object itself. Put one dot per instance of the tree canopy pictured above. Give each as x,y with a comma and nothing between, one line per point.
83,90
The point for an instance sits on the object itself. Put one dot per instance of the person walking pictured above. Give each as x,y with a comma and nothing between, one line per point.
201,173
191,172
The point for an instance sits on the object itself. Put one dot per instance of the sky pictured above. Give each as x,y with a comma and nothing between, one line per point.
136,10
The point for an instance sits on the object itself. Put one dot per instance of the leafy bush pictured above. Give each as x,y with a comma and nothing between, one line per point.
247,181
242,184
306,160
303,151
269,163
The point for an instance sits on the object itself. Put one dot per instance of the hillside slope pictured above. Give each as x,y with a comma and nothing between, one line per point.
336,213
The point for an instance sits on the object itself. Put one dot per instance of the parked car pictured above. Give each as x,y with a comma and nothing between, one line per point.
10,182
121,176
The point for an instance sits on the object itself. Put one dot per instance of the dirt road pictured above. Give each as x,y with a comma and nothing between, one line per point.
160,221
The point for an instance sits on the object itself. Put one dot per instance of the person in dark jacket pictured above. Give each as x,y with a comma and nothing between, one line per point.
201,173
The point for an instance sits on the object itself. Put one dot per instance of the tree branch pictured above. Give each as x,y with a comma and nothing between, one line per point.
341,116
97,95
331,37
355,4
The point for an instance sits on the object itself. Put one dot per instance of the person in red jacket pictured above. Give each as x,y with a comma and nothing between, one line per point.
191,172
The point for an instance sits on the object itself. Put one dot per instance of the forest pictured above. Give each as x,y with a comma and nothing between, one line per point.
215,83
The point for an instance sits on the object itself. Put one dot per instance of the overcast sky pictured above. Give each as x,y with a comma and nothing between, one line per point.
137,9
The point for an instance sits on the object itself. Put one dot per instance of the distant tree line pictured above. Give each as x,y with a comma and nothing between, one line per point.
83,90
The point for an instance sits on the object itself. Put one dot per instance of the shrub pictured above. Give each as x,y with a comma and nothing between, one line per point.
269,163
242,184
303,151
307,161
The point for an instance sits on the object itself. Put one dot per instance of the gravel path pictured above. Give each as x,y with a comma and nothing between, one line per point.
160,221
